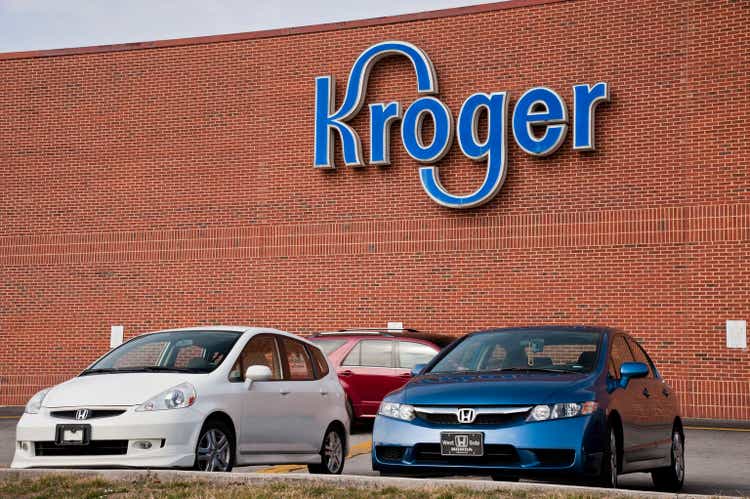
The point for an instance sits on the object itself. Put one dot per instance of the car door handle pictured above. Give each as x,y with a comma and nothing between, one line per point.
345,372
284,391
323,393
405,375
645,393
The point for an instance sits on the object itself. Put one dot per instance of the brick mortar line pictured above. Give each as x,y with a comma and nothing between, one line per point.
255,252
677,225
608,217
349,233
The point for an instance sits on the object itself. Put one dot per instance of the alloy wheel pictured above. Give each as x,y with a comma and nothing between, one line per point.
213,451
333,452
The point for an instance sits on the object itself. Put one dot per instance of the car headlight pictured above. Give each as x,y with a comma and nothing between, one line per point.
182,395
404,412
34,405
546,412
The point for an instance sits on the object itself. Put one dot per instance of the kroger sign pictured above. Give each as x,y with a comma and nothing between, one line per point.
538,109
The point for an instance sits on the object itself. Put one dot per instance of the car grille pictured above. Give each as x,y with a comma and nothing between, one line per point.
486,419
94,448
93,413
494,455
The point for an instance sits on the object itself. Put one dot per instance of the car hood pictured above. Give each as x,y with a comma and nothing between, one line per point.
498,389
111,389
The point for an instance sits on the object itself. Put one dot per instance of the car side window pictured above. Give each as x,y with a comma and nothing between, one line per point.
298,361
410,354
321,364
371,353
620,353
261,350
640,356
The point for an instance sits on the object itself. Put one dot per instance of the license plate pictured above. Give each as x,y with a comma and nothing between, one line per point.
73,434
461,444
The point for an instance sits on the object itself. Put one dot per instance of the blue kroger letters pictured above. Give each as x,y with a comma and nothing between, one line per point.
540,124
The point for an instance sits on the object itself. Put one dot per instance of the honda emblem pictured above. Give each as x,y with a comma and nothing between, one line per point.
466,416
82,414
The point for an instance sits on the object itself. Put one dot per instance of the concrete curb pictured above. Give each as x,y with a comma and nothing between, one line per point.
717,423
339,480
11,410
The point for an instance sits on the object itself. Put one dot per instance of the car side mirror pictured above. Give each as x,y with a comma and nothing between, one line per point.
417,369
257,373
630,370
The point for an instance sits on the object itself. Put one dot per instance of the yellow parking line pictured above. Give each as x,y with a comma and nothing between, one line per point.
716,429
356,450
360,448
283,468
10,417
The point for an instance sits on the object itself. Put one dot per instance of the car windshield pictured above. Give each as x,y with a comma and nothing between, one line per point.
176,351
533,350
328,346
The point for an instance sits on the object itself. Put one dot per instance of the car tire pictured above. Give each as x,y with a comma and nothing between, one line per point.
505,477
671,478
215,448
610,461
331,454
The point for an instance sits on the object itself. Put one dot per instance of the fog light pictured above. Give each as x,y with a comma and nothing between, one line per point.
142,444
24,446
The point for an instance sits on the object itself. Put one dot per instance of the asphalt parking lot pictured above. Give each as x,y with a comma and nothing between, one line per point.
717,460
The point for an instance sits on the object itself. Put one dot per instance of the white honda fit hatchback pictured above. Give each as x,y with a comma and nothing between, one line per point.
207,398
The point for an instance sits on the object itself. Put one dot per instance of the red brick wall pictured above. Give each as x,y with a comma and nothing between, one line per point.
173,186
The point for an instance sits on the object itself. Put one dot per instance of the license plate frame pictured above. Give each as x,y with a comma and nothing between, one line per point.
452,444
64,432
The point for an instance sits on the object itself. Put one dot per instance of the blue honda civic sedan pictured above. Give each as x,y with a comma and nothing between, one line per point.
562,402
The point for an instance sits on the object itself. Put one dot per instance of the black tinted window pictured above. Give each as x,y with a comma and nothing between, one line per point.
299,365
191,351
261,350
321,365
551,349
640,356
620,353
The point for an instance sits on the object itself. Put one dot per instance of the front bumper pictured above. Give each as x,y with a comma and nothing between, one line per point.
172,435
564,446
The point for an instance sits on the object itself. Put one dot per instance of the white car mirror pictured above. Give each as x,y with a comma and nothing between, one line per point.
257,373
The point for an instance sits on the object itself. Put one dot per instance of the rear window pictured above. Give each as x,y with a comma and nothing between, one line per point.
328,346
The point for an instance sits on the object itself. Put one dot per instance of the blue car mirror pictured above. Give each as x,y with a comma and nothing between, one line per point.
630,370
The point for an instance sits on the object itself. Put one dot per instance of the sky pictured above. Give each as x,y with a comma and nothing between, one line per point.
49,24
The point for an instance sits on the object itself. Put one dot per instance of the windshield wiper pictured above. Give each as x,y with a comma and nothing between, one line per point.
104,370
164,369
141,369
536,369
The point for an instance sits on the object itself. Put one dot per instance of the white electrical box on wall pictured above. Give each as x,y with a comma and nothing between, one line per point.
736,334
115,336
396,325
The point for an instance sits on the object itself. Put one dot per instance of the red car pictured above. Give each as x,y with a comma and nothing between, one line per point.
373,362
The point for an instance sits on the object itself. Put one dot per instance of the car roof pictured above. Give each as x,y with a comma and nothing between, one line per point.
439,340
562,328
234,329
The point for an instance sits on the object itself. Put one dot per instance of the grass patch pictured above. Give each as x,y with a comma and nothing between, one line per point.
71,486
